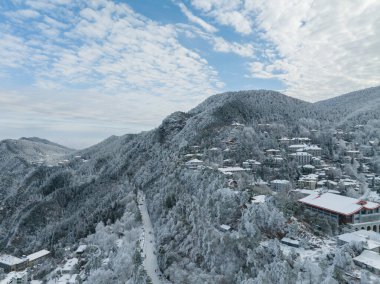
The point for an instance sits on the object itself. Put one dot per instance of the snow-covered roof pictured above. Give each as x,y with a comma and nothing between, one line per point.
231,169
259,199
309,177
290,241
10,259
370,238
300,154
298,146
225,227
194,161
70,264
308,167
337,203
38,254
280,181
81,249
369,258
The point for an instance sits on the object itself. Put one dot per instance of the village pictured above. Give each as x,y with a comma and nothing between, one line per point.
343,188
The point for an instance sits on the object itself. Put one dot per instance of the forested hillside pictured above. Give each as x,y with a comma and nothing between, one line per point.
48,204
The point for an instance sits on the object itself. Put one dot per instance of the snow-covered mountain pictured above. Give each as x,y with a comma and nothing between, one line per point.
47,204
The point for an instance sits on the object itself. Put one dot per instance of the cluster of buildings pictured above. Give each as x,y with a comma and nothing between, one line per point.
16,268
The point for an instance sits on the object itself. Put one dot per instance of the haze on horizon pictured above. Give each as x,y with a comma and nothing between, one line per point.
76,72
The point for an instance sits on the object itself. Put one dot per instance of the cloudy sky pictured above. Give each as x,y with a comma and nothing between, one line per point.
76,72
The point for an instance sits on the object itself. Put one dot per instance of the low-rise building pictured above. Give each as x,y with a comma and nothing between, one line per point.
369,239
19,277
37,256
280,184
308,181
369,260
194,163
11,263
357,214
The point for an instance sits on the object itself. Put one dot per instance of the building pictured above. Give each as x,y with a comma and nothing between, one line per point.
295,147
37,257
299,140
280,185
284,141
355,213
19,277
225,228
81,249
369,260
314,150
353,154
308,181
302,158
370,239
194,163
11,263
290,242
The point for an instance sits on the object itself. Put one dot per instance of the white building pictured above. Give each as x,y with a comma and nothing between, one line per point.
302,158
19,277
369,239
194,163
280,185
369,260
314,150
308,181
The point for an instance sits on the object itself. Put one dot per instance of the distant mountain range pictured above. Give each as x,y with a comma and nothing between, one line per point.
51,196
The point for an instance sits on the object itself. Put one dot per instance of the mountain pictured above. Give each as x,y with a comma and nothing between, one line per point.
53,196
355,107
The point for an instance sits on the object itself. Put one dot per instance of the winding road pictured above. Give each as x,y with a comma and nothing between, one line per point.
148,247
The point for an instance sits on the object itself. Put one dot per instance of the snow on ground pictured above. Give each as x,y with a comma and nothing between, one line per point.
148,244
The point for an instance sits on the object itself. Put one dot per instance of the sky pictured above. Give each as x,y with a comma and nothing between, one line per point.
76,72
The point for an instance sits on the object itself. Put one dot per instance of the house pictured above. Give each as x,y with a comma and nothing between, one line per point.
295,147
258,199
357,214
366,150
298,140
225,228
314,150
11,263
232,183
194,163
280,185
290,242
238,125
81,249
19,277
302,158
37,256
284,141
370,239
231,170
353,153
369,260
308,181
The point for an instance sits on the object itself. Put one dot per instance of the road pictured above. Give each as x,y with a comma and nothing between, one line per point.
150,259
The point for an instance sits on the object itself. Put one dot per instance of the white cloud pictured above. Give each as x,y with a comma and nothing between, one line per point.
192,18
317,48
109,66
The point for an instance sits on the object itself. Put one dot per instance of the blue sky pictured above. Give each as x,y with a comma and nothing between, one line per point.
77,72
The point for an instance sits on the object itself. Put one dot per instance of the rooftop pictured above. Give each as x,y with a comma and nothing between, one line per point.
370,238
337,203
369,258
38,254
10,259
